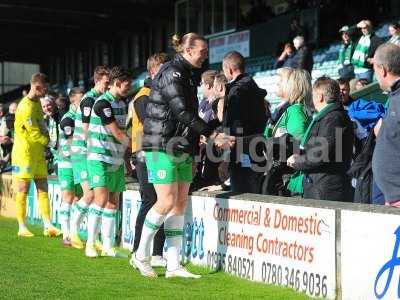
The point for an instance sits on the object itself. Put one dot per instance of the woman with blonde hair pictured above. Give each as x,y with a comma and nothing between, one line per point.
294,86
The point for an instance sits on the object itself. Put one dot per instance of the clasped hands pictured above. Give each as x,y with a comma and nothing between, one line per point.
221,140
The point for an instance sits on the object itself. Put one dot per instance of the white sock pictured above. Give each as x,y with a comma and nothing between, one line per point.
173,228
94,219
79,210
22,226
64,213
108,227
47,224
151,225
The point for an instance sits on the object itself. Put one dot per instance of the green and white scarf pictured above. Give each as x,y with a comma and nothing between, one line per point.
295,184
360,55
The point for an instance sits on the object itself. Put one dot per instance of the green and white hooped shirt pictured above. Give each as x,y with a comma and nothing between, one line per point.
66,130
102,146
79,145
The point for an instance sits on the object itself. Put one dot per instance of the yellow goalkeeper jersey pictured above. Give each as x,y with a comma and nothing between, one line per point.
31,135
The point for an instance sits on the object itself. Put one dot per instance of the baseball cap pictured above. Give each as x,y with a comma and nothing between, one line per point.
345,28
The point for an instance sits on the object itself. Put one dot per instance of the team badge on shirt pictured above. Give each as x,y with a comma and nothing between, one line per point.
68,130
107,112
86,111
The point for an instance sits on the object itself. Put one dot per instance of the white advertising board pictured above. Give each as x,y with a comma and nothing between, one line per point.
370,257
238,41
131,202
285,245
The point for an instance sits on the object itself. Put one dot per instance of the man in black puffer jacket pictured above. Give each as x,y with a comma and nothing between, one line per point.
327,147
172,122
245,114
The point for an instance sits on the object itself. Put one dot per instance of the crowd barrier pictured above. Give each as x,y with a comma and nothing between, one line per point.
326,249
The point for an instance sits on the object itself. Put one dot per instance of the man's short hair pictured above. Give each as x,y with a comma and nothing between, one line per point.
99,72
208,77
235,60
120,73
329,88
156,59
76,90
388,56
220,78
39,78
343,81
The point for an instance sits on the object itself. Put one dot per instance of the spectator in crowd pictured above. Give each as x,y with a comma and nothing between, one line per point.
205,106
220,82
345,54
146,189
344,86
244,115
12,108
360,83
394,31
294,87
362,58
51,119
327,148
207,169
303,59
286,57
385,163
62,106
5,139
7,136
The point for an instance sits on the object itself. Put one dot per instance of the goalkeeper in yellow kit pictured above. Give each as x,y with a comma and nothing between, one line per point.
28,158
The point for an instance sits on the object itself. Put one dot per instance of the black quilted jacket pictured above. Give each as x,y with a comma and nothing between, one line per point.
172,123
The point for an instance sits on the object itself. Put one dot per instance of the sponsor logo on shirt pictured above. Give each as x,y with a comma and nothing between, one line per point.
176,74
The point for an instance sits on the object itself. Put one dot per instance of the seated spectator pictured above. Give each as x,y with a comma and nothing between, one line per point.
294,86
362,58
205,106
386,157
326,148
345,54
286,58
394,31
303,59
